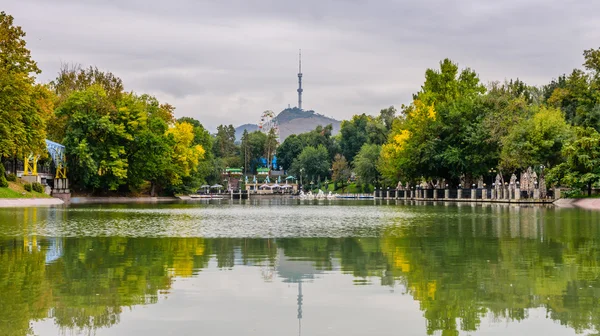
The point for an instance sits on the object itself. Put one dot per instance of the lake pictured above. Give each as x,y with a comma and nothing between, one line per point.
292,267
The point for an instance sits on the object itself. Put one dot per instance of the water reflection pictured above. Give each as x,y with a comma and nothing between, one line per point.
462,264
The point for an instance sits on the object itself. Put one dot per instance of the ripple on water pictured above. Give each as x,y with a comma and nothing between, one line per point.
218,220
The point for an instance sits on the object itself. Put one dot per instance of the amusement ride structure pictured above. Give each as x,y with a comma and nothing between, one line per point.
268,122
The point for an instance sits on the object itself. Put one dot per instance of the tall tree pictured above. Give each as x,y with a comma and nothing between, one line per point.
290,148
581,168
96,138
224,144
270,147
353,135
256,143
340,170
21,120
245,149
536,141
186,156
387,115
314,162
365,163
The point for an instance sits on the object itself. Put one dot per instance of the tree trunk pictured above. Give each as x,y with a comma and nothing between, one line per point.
15,165
152,189
589,189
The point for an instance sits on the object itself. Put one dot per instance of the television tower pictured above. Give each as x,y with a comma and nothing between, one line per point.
300,79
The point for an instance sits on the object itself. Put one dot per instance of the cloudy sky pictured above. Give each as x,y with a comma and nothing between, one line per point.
226,61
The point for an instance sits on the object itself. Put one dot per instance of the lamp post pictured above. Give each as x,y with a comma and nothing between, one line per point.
492,172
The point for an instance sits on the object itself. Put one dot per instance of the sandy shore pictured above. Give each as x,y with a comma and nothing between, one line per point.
82,200
586,203
29,202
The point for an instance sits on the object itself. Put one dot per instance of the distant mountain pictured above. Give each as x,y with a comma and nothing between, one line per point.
239,131
294,121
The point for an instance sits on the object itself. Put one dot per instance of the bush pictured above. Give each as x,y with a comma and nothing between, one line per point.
37,187
27,187
3,181
11,178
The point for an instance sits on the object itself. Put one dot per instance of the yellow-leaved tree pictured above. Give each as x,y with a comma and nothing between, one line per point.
185,156
396,160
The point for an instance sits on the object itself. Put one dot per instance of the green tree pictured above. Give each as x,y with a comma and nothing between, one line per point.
340,170
224,144
365,163
95,139
387,115
149,156
22,126
353,134
245,150
538,140
377,131
270,147
3,181
314,162
581,169
257,142
289,150
447,84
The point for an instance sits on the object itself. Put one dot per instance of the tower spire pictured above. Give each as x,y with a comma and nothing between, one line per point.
300,79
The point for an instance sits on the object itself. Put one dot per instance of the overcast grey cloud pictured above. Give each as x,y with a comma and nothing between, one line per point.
227,61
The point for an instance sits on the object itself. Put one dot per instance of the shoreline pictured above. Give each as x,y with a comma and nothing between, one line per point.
584,203
29,202
120,199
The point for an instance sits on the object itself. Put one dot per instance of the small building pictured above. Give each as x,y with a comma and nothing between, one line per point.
263,172
232,176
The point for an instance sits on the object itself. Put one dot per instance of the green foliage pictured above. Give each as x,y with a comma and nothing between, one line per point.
28,187
22,124
96,137
353,135
118,142
253,148
581,169
37,187
312,163
224,144
11,177
3,180
446,85
270,147
294,144
535,141
289,150
365,163
340,170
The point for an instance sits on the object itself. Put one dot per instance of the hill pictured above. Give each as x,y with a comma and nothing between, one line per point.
239,131
294,121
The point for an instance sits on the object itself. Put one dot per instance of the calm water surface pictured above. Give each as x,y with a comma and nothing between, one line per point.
289,267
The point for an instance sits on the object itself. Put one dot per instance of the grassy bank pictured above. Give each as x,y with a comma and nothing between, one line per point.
16,190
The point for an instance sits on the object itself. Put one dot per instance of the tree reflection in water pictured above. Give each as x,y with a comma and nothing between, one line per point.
461,265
